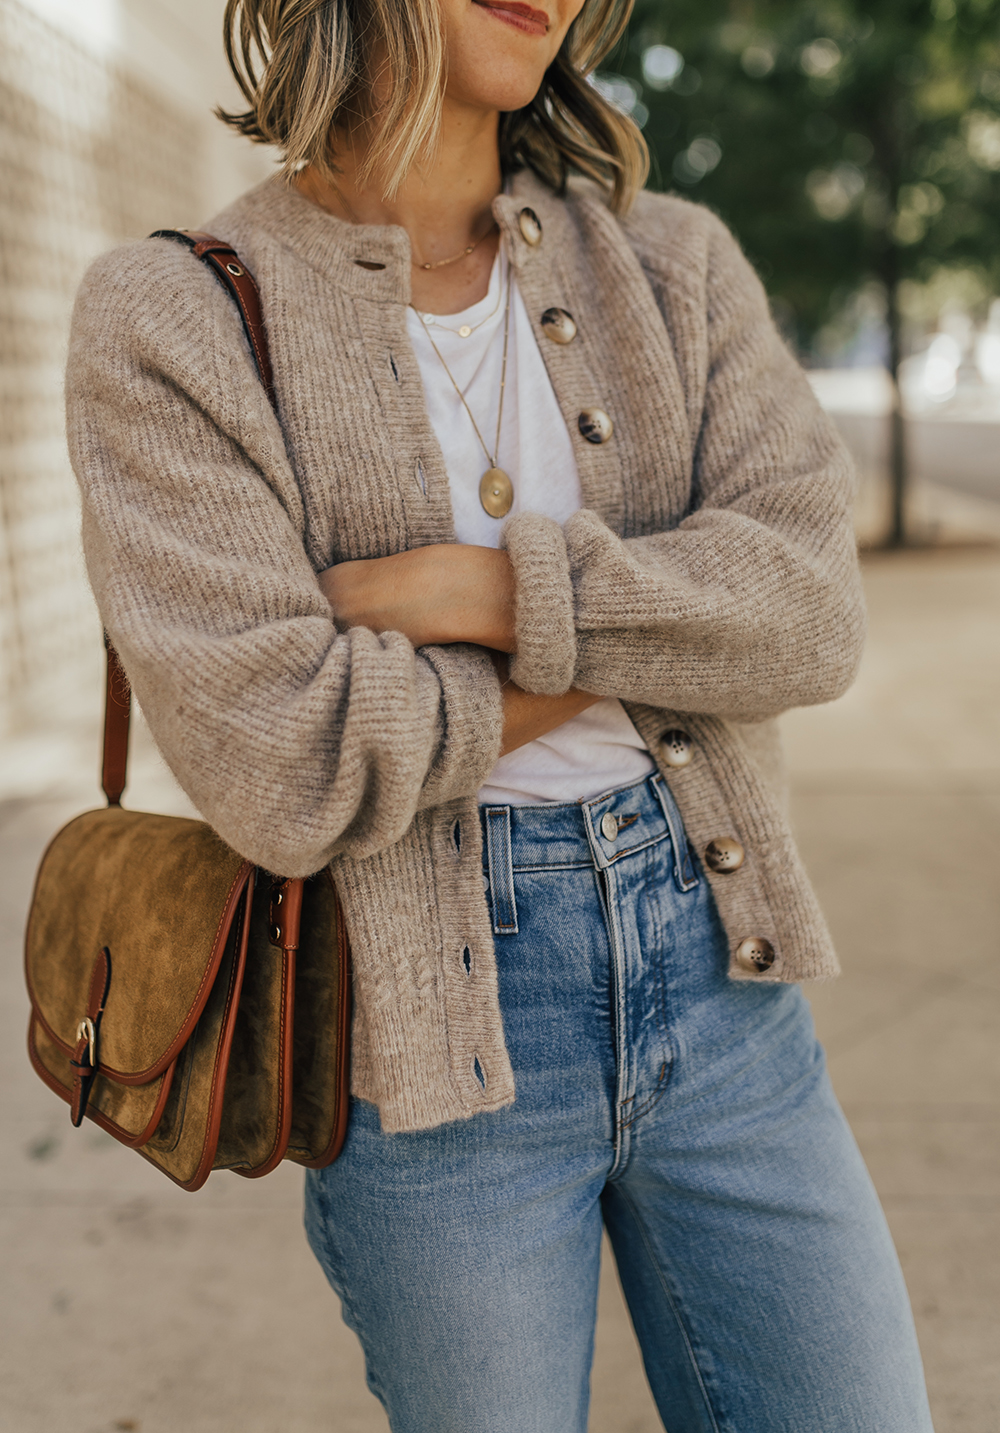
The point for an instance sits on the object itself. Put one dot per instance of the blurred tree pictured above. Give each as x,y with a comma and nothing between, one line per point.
845,143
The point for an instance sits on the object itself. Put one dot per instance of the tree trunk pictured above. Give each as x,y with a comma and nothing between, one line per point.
898,465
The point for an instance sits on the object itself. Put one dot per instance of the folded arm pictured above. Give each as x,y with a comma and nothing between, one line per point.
751,605
450,593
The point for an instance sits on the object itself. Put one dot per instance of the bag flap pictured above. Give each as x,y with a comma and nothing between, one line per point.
159,893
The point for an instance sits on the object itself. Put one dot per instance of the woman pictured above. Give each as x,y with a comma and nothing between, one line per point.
495,619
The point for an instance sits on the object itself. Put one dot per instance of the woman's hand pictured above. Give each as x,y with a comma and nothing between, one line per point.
450,592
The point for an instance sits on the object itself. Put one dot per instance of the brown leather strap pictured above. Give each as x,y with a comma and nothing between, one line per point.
229,268
117,714
242,285
285,915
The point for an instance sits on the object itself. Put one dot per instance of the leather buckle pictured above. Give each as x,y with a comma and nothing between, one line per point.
86,1030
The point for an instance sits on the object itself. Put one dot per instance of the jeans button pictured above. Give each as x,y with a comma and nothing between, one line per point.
609,826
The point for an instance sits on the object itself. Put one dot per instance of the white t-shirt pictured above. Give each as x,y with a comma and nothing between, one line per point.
600,748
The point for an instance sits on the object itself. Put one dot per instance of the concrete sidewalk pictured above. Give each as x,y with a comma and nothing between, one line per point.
132,1306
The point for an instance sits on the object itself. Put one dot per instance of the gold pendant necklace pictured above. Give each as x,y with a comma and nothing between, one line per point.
496,491
467,329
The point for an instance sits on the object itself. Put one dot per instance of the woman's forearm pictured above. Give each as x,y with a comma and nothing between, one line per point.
443,594
527,716
449,592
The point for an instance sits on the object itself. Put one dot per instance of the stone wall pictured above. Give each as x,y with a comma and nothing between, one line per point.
104,136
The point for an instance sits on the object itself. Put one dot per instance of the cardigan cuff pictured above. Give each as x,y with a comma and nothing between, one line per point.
544,626
470,722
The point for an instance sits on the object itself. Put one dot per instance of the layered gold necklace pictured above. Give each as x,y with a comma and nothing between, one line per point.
496,491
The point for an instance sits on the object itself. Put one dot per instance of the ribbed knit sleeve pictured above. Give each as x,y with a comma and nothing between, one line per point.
296,742
752,604
543,605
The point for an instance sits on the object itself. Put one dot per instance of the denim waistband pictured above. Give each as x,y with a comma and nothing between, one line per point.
598,833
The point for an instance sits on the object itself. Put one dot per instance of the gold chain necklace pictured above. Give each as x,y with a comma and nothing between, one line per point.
496,491
430,320
440,263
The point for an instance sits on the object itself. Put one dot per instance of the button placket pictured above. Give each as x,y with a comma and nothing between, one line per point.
577,375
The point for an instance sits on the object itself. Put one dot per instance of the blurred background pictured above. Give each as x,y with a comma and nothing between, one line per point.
855,150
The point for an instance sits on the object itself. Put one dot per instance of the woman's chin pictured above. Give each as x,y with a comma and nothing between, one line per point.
503,92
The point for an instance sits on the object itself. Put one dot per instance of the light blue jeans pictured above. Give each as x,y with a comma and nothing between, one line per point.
690,1115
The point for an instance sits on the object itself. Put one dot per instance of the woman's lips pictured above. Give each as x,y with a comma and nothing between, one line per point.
523,17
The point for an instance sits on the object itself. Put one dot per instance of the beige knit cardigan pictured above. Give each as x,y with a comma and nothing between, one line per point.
710,580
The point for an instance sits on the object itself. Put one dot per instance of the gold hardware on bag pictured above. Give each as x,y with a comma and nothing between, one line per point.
85,1031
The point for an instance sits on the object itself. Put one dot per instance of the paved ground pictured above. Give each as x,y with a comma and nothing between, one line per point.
132,1306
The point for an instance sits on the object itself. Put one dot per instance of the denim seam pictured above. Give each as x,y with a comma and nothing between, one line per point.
500,860
620,1017
667,1065
678,836
649,1104
554,866
674,1306
333,1267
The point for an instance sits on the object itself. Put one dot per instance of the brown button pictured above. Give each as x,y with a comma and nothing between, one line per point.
609,826
558,325
530,226
755,953
595,425
676,748
724,854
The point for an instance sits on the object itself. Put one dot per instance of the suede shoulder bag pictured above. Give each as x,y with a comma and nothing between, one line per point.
195,1007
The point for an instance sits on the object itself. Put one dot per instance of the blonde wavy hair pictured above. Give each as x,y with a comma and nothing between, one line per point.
306,66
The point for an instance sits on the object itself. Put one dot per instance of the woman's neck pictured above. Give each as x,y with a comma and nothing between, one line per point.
444,206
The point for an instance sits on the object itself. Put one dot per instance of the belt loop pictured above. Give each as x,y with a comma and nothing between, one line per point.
684,872
501,866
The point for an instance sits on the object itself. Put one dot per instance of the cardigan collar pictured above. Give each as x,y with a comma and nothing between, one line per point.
622,363
344,253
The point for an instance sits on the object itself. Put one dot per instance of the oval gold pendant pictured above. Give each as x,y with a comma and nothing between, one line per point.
496,492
